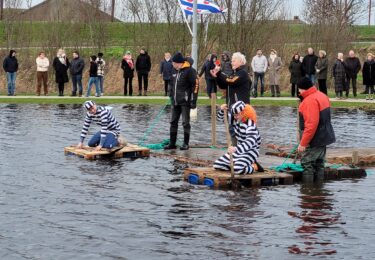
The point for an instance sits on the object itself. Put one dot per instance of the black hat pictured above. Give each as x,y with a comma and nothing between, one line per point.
178,58
305,83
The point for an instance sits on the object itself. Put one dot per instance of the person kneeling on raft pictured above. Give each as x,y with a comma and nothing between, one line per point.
246,152
108,136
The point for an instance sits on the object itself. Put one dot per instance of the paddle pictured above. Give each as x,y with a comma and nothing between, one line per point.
229,144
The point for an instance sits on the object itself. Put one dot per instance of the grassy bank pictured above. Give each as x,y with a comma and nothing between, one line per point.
162,101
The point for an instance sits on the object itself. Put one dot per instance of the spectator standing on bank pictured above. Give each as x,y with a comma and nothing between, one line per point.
339,75
308,64
143,67
226,67
274,67
93,79
76,69
10,65
368,73
166,68
61,65
321,68
127,65
101,65
353,66
259,66
295,69
42,65
209,65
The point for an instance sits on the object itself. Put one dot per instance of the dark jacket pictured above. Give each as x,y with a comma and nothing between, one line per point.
368,73
128,71
295,69
339,74
207,67
10,63
166,69
93,69
61,70
353,66
182,86
143,63
315,119
226,64
237,85
322,66
76,66
308,64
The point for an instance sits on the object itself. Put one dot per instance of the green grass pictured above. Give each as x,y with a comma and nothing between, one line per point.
158,101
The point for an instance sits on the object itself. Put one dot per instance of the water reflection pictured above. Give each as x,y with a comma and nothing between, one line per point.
317,215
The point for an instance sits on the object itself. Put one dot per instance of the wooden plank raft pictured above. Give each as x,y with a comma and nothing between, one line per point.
222,179
127,151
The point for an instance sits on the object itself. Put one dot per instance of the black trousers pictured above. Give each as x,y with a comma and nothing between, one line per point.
166,83
130,82
178,111
354,86
323,85
61,88
144,76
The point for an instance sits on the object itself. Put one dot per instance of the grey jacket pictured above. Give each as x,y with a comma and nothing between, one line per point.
76,66
322,66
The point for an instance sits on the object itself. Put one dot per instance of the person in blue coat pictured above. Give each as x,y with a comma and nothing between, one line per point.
166,68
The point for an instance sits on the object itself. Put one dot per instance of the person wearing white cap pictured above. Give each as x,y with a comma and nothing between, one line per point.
108,136
246,152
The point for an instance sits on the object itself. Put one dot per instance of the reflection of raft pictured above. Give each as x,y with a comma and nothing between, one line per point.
128,151
221,179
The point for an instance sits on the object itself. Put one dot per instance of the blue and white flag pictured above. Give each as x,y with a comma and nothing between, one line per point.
204,7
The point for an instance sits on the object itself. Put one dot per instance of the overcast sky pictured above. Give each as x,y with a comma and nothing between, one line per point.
295,7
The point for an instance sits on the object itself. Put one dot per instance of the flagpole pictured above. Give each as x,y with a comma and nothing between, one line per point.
194,45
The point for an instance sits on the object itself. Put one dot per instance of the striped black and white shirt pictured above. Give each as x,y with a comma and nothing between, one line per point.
105,119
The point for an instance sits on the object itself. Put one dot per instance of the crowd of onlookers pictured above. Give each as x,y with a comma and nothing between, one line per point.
316,68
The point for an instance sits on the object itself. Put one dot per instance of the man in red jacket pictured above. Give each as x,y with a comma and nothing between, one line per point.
315,127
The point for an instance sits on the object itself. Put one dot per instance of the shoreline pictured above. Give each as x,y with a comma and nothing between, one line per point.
161,100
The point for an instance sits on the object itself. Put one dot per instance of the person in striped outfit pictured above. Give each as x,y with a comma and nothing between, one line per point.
108,136
246,152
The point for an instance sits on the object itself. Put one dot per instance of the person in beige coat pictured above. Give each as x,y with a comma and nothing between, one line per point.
274,67
42,65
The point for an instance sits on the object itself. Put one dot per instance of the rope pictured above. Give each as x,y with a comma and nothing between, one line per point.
151,128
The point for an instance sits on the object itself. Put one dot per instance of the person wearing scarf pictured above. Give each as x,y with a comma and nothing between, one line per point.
61,65
127,65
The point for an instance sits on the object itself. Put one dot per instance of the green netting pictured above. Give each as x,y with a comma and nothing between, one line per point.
159,146
288,166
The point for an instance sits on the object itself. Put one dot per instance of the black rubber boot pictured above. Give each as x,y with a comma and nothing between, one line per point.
185,146
172,142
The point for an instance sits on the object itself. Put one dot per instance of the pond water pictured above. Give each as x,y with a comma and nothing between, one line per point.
54,206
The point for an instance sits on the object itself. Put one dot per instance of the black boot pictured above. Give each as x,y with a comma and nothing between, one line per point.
172,142
185,146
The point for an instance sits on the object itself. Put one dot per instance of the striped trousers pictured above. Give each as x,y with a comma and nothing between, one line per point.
242,163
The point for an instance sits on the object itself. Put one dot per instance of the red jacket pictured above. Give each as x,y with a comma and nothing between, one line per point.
315,119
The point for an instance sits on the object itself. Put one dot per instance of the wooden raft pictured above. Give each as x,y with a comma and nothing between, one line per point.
222,179
128,151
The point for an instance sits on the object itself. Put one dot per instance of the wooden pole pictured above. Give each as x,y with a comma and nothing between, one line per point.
113,11
213,119
229,144
355,158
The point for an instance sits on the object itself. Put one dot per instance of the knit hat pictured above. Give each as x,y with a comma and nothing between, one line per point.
178,58
305,83
238,107
89,104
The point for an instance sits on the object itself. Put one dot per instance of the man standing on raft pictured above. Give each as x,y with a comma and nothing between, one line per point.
181,91
246,152
108,136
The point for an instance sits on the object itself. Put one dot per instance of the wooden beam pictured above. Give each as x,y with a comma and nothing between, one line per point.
113,11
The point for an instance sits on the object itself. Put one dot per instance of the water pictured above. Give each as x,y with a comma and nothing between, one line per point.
54,206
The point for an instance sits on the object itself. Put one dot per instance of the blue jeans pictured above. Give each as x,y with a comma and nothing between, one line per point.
258,76
11,78
93,80
77,80
312,77
110,140
101,83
